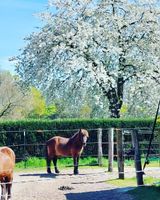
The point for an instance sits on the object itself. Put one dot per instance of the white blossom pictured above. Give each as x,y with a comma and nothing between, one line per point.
111,44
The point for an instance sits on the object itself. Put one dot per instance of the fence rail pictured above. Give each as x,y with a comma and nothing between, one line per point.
26,144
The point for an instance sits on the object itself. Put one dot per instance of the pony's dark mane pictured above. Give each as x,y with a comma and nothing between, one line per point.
74,136
82,131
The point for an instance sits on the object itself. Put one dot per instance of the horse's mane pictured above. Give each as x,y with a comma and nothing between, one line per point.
82,131
73,136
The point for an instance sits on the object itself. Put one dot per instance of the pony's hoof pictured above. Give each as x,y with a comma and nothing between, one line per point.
49,171
76,172
57,171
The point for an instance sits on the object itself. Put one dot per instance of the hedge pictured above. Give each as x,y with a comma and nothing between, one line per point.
39,131
74,124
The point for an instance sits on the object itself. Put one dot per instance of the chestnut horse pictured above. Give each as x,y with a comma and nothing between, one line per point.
7,162
60,146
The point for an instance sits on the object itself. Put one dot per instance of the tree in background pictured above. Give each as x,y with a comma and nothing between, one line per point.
80,103
39,107
16,103
104,44
141,103
13,101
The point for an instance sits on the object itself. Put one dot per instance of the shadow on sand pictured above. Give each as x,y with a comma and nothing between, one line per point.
52,175
113,194
40,175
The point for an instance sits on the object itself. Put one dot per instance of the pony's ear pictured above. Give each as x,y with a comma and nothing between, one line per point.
80,130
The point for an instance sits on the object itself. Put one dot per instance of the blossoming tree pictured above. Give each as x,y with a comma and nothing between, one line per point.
107,43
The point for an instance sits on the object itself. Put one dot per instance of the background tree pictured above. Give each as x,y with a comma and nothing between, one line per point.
80,103
16,103
141,103
39,106
13,102
107,44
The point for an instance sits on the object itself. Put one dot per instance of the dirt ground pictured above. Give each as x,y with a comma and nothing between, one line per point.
90,184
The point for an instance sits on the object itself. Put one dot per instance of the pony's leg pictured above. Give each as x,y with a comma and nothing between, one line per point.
9,191
3,191
48,162
8,187
76,161
55,164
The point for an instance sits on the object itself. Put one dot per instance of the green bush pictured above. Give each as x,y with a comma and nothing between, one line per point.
74,124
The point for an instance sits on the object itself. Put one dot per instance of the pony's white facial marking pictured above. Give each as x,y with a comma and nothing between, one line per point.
84,140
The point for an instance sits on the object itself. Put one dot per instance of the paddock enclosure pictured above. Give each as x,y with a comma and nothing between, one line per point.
91,182
26,144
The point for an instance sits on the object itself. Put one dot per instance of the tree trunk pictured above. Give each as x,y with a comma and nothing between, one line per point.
115,97
114,111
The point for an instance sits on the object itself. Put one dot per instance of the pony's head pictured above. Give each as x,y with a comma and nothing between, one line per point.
83,136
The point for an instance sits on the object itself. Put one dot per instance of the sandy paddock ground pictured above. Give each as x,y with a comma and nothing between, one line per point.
90,184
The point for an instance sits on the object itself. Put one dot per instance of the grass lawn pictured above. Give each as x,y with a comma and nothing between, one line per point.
34,162
132,181
40,163
146,193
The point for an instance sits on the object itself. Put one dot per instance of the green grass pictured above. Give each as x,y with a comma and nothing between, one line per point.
146,193
154,162
34,162
132,181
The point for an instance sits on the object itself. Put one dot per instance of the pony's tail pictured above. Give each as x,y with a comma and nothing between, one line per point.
48,161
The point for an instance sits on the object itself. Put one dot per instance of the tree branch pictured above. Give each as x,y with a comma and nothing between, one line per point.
5,110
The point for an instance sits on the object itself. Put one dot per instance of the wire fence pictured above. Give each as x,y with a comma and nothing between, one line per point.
31,143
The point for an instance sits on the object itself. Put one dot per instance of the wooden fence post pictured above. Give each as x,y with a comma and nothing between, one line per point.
110,149
100,152
120,154
137,158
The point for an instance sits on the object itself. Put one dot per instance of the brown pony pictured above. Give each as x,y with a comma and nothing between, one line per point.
60,146
7,162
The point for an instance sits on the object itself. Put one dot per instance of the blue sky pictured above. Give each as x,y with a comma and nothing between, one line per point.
17,20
